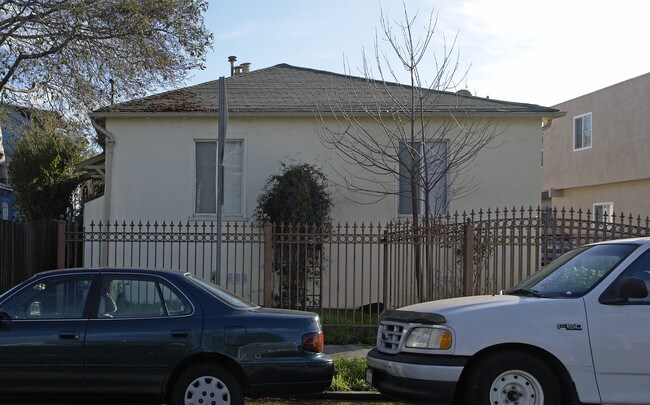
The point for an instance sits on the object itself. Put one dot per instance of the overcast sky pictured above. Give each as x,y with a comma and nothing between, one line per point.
539,52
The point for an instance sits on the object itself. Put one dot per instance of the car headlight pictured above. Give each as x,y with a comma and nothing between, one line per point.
429,338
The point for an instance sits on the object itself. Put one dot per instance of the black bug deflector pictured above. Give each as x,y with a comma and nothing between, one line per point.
413,317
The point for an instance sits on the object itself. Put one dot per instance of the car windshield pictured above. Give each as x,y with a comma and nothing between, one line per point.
222,294
575,273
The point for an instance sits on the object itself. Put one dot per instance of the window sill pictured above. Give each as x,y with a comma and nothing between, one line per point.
579,149
213,217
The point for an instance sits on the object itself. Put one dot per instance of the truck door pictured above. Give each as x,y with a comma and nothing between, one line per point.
620,341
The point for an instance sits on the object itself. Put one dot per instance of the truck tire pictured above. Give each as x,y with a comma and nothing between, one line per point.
207,384
511,377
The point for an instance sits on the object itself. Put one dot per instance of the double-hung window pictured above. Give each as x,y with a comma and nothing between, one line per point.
582,132
206,172
603,212
426,164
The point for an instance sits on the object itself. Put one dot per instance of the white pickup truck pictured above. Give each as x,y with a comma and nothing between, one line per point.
578,331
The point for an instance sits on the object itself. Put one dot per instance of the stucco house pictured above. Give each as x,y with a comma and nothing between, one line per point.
159,160
596,157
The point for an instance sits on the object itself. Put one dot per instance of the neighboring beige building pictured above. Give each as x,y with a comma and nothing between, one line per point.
597,157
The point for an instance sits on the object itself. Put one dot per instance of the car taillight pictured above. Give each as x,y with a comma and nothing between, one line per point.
313,342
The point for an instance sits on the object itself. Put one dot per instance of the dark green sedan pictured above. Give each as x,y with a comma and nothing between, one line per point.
157,333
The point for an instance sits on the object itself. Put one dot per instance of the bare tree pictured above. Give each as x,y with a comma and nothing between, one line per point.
411,140
72,56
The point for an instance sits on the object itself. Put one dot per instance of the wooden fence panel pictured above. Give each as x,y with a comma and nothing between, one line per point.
26,249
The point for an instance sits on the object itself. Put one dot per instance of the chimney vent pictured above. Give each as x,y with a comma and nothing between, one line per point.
245,67
232,60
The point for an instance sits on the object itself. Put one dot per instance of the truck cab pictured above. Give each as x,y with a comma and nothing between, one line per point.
577,331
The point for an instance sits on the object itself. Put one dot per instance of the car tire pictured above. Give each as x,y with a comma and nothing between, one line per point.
207,384
511,377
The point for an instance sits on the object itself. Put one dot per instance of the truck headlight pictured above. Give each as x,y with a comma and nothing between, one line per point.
429,338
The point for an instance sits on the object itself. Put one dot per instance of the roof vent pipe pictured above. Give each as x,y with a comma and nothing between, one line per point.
245,67
232,60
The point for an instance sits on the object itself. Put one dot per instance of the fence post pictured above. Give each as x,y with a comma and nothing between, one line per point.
268,264
468,258
60,243
385,299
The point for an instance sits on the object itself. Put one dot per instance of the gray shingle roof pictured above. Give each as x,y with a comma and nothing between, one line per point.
289,90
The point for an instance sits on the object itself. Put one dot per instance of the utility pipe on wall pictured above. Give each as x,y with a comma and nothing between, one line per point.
109,143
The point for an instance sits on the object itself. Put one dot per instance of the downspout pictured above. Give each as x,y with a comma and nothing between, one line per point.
109,142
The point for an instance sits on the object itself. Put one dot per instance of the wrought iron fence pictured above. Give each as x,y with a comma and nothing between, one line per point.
351,272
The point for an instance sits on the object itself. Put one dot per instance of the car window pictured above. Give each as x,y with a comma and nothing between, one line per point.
222,294
174,303
55,298
135,297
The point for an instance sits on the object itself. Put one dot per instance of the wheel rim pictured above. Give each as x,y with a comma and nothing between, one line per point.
207,390
516,387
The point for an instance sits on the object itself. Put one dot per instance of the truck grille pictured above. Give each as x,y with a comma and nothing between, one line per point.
389,336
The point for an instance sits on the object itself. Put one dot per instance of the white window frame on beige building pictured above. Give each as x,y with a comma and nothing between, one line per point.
582,135
231,213
610,209
398,212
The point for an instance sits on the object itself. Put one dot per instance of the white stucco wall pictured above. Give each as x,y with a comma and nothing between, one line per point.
153,180
153,167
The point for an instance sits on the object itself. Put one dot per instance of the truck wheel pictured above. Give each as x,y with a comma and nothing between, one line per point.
206,384
512,377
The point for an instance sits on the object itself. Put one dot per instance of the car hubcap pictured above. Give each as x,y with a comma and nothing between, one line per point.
516,387
207,390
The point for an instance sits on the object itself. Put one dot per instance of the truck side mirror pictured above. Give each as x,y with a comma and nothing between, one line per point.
632,287
629,287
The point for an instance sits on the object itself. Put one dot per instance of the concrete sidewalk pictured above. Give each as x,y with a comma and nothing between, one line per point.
350,351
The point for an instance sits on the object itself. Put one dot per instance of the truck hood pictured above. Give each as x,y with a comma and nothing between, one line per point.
455,306
479,322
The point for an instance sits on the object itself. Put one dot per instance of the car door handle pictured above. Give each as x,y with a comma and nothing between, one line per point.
68,335
180,334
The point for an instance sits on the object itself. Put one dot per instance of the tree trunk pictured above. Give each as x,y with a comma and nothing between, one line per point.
4,178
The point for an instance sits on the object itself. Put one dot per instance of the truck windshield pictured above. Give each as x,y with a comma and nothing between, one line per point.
575,273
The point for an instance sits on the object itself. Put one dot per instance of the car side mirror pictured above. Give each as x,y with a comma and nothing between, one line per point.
4,316
629,287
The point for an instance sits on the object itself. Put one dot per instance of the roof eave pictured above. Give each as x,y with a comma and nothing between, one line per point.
357,114
149,114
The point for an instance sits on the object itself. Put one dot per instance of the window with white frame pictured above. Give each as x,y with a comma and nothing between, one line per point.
430,163
582,132
603,212
205,198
